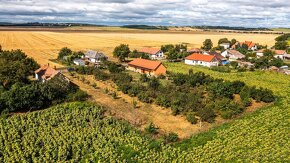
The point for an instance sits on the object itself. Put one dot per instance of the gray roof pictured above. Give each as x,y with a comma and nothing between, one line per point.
236,53
95,55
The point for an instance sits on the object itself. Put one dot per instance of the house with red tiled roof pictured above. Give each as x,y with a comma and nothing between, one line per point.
233,55
145,66
281,54
202,59
154,53
249,44
195,50
45,73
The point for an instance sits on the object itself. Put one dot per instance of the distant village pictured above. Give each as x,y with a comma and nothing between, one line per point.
148,60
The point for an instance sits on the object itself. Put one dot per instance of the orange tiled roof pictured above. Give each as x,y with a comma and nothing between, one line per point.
250,44
151,51
46,72
200,57
144,63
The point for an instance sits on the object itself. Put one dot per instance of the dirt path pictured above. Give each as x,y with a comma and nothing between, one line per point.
141,116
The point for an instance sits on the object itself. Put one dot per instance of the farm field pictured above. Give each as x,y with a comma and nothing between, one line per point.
44,45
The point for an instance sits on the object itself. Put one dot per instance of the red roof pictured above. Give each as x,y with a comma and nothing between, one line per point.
151,51
200,57
144,63
279,52
46,72
250,44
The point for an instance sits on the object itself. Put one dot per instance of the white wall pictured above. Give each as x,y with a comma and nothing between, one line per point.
201,63
159,55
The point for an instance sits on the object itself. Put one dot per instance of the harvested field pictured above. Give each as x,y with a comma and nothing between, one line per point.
44,45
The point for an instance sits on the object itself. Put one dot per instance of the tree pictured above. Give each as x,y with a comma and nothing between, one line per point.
64,52
151,129
281,45
223,40
206,114
122,51
154,83
268,53
233,42
207,44
0,48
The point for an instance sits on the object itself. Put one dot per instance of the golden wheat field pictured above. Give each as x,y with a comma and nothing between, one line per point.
44,45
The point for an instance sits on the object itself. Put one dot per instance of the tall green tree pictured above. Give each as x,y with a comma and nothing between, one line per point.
281,45
207,44
121,52
223,40
64,52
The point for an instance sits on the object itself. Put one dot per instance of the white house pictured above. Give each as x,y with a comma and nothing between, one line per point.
153,53
79,62
95,57
225,45
281,54
260,53
201,59
233,55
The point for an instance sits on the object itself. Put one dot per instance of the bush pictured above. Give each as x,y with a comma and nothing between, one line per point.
206,114
144,97
246,96
100,75
171,137
79,95
144,78
237,86
154,83
163,101
151,129
114,68
191,118
228,108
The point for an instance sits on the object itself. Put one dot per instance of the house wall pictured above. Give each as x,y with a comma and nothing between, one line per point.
159,55
259,54
160,70
201,63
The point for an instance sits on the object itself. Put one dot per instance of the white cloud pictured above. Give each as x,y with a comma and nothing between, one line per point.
170,12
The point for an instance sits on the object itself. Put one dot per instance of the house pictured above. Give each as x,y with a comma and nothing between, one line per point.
233,55
45,73
149,67
260,53
202,59
79,62
281,54
195,50
249,44
225,45
95,57
153,53
222,60
245,64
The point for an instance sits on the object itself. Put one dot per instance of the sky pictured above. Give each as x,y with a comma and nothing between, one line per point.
243,13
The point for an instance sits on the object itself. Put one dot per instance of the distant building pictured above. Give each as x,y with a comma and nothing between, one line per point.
249,44
149,67
95,57
45,73
79,62
202,59
195,50
225,45
233,55
222,60
154,53
260,53
281,54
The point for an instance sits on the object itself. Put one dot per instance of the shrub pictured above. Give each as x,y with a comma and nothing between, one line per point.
125,87
246,96
114,95
163,101
154,83
191,118
79,95
144,78
144,97
171,137
151,129
206,114
100,75
237,86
